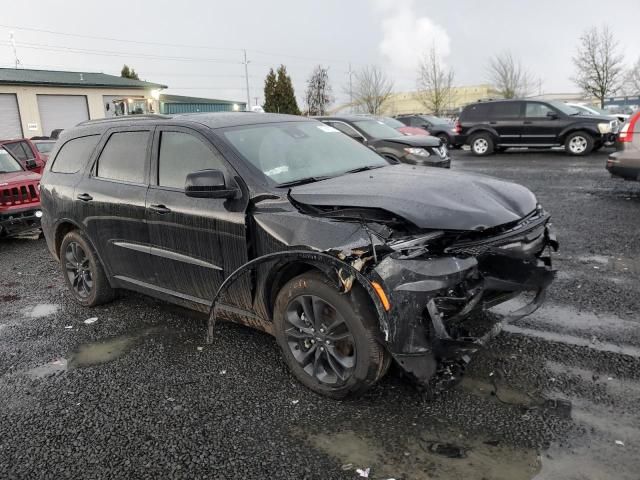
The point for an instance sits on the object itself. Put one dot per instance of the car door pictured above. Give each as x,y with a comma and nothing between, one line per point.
506,119
541,124
110,202
195,242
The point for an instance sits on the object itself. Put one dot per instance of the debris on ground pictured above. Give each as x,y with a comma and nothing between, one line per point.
200,348
91,320
448,450
223,372
294,402
620,442
347,466
363,473
68,327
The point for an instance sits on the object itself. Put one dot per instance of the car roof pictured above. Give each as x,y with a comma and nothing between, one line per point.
347,118
211,120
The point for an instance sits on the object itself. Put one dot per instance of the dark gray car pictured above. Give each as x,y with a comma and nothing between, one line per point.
625,161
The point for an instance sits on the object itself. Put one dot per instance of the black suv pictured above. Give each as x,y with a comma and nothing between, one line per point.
497,125
436,126
286,225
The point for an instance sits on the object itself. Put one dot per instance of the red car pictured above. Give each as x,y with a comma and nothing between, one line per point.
26,153
401,127
19,197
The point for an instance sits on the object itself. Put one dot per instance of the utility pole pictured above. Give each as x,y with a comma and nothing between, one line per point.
255,101
15,52
246,79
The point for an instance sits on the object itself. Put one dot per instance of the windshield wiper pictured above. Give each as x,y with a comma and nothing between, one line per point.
301,181
365,168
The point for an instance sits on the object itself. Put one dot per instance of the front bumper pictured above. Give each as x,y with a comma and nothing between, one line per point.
15,222
432,161
620,164
432,297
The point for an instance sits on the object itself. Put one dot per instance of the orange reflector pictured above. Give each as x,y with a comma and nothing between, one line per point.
383,296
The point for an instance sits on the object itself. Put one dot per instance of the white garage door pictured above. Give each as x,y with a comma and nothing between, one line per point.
10,126
61,111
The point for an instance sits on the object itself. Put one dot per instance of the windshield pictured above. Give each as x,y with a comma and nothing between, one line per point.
8,164
435,120
286,152
377,129
564,108
45,147
392,122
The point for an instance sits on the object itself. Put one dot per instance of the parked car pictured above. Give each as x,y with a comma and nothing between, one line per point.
390,143
19,197
401,127
625,161
284,224
44,147
26,153
591,110
496,125
436,126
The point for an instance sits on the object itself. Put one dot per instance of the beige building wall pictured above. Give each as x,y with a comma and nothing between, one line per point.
28,102
406,102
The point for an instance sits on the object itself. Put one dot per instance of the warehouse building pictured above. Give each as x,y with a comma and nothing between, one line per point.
36,102
181,104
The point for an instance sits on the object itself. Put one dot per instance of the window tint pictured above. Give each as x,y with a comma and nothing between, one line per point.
74,154
181,154
476,112
505,110
20,150
344,128
537,110
123,157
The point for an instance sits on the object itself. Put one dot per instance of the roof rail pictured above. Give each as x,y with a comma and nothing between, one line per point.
147,116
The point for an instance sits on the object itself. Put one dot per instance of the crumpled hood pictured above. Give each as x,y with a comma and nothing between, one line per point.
430,198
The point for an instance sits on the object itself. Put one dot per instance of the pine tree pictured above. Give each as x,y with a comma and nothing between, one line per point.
285,94
270,104
127,72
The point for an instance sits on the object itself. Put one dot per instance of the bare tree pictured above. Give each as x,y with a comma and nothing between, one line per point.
318,95
371,89
598,64
435,83
632,80
509,77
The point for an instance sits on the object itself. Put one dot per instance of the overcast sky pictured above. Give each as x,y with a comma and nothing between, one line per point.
195,46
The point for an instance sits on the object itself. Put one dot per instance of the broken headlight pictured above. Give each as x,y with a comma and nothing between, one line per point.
420,152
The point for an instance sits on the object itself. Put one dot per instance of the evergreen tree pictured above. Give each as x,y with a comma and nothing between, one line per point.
318,95
285,94
270,104
127,72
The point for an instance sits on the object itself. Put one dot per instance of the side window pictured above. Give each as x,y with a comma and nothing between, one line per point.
346,129
181,154
505,110
476,113
124,157
74,154
537,110
20,150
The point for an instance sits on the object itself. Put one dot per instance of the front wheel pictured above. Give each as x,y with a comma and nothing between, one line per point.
579,143
329,340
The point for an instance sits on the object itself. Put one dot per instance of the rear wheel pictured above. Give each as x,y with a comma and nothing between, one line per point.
579,143
329,340
482,144
83,272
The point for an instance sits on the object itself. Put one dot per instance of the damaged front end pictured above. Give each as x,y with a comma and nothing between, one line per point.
437,282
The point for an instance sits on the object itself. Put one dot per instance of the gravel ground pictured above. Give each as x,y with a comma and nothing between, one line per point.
137,393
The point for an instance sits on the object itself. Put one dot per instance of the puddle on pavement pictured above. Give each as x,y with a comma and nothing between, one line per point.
49,369
42,310
429,455
618,264
505,394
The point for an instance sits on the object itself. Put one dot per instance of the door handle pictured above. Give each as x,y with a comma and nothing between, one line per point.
159,208
85,197
493,123
528,122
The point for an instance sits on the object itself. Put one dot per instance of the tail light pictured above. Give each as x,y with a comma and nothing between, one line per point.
458,127
628,129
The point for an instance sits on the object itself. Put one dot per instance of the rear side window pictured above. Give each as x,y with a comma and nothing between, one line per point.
475,113
537,110
181,154
74,154
505,110
124,157
20,150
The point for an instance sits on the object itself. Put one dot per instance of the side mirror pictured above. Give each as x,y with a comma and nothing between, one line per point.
552,115
208,184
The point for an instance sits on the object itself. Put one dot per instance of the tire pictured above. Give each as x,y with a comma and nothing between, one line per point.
578,144
482,144
82,271
353,360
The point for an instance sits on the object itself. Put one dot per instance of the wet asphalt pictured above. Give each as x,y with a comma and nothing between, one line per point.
138,393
